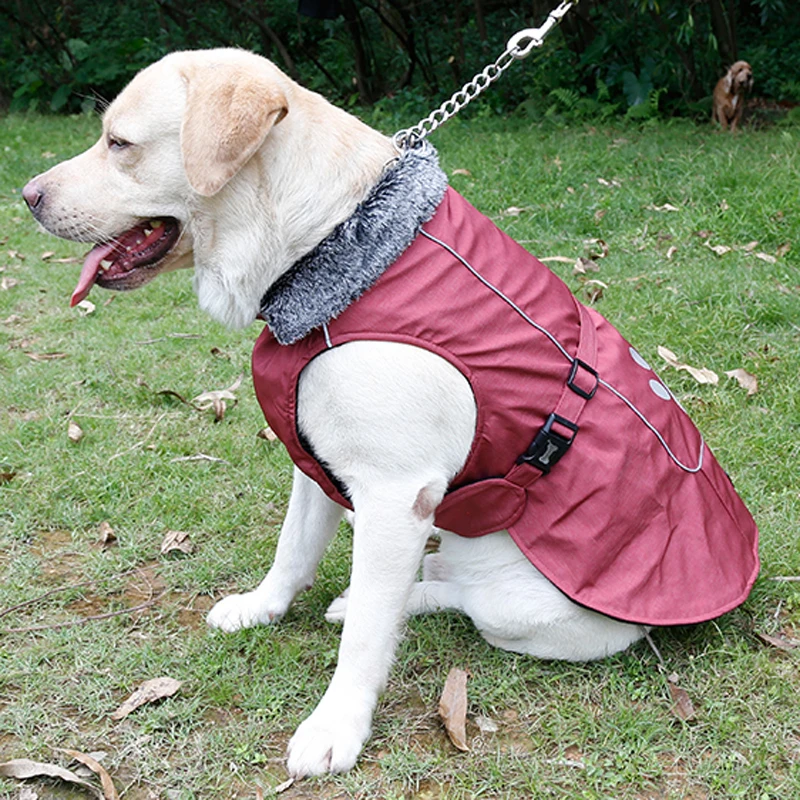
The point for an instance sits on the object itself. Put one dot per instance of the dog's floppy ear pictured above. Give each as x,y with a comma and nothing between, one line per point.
728,81
229,112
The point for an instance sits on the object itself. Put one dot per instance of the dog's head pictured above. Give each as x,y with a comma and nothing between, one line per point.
178,134
739,78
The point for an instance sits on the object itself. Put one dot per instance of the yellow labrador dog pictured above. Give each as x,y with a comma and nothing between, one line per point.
216,160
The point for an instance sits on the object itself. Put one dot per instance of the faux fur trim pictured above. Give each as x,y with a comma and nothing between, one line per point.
350,260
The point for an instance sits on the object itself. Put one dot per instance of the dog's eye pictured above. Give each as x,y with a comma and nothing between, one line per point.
115,143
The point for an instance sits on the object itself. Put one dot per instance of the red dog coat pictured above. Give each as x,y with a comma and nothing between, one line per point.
616,499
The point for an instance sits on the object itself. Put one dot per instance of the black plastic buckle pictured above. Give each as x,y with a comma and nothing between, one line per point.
571,380
548,446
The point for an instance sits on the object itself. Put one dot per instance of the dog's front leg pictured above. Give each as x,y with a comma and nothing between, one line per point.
388,542
310,524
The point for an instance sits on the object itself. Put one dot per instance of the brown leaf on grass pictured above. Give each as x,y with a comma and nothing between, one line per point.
282,787
700,374
85,307
465,172
719,249
24,769
48,254
559,259
682,706
594,289
596,248
176,541
671,252
8,283
107,535
746,380
74,432
45,356
766,257
584,265
149,692
453,707
783,249
268,434
7,475
777,642
109,790
217,398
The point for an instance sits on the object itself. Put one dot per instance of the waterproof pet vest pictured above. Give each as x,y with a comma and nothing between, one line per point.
580,450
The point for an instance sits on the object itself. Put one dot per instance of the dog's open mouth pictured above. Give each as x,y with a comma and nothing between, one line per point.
130,259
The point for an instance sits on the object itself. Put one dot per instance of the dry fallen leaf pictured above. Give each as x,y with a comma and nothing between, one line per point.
783,249
453,707
514,211
719,249
596,248
109,790
750,246
149,692
45,356
216,399
594,289
462,172
671,252
282,787
107,535
682,706
176,541
584,265
48,254
74,432
23,769
766,257
8,283
701,375
268,434
746,380
559,259
665,207
777,642
85,307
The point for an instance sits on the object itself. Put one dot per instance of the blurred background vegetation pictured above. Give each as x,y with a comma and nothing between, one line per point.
610,57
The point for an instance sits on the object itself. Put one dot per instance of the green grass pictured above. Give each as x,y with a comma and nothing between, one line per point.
602,730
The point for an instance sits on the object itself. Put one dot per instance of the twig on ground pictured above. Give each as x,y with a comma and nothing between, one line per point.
84,620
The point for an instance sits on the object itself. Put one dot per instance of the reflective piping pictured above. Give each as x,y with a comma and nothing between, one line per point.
327,333
564,352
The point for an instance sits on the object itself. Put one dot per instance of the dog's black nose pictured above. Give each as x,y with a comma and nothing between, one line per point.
32,194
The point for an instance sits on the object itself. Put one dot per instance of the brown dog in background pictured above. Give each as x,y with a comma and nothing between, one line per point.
729,95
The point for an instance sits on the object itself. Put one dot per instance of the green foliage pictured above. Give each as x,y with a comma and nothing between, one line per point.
609,56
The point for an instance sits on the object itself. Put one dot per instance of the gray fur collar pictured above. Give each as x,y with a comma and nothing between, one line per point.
350,260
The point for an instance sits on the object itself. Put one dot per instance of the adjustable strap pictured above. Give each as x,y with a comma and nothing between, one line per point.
558,432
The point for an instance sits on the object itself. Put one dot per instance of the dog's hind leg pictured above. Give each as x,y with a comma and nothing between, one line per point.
310,524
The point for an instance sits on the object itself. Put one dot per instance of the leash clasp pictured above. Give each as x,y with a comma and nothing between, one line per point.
523,42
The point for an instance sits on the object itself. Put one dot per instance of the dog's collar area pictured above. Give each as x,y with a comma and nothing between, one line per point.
350,260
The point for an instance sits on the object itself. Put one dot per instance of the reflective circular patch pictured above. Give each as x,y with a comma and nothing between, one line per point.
660,390
637,357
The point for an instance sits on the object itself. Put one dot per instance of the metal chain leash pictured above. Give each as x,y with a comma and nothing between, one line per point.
519,46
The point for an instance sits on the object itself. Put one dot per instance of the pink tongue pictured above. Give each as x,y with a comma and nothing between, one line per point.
90,271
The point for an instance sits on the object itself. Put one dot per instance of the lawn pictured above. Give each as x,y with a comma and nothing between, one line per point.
697,239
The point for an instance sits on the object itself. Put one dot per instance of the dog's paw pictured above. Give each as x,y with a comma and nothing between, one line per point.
327,742
239,611
336,610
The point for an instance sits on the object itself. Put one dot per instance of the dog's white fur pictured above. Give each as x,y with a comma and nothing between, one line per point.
394,422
